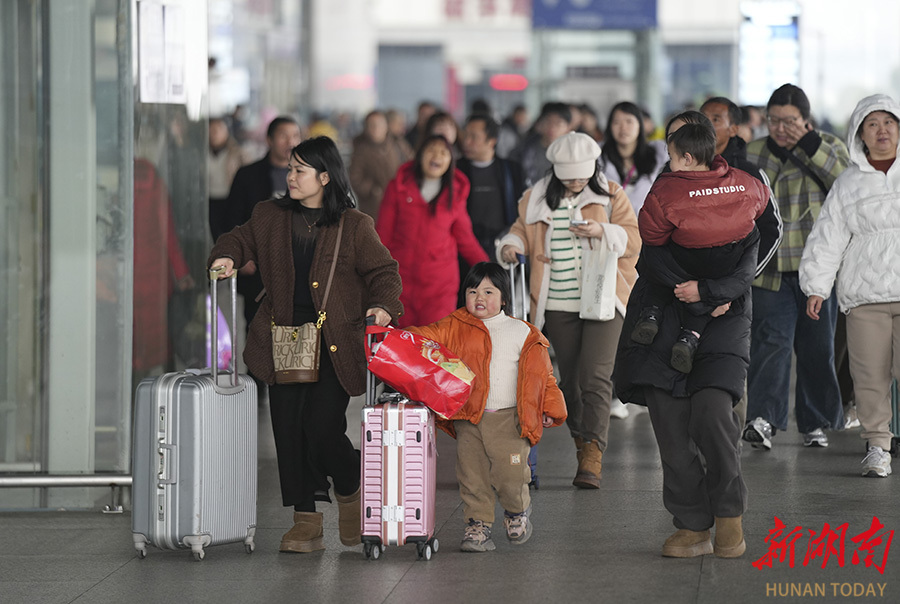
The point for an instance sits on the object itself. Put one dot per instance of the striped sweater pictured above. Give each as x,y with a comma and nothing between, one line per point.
565,271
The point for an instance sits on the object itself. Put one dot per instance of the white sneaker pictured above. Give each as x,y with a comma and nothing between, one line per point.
816,438
618,409
877,463
850,419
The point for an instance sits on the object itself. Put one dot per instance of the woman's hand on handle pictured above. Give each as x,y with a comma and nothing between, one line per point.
813,306
382,318
228,263
547,421
508,254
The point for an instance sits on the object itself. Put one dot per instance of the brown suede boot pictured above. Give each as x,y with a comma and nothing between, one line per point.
588,474
306,534
349,518
687,544
579,443
729,538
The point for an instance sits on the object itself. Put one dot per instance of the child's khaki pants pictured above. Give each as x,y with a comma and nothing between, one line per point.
492,455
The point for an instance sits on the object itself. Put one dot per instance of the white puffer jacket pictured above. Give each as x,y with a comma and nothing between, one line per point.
857,235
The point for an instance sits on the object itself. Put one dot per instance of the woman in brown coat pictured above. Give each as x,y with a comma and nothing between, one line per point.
292,240
374,162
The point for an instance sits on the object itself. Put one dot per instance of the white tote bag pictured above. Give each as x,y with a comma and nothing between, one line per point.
599,269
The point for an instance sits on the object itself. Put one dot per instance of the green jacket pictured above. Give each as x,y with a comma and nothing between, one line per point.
799,196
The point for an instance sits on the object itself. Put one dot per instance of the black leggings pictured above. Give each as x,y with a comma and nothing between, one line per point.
310,426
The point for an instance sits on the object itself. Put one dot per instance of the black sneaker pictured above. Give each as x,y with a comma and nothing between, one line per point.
647,326
683,351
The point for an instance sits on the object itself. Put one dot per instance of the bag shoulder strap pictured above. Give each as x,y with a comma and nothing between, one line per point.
337,246
806,170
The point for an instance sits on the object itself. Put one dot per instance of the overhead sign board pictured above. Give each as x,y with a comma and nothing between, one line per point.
593,14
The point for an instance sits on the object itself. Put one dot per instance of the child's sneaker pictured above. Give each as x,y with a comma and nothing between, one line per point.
518,527
877,463
683,350
647,325
477,537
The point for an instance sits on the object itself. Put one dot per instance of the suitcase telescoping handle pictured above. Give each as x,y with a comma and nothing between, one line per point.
214,273
370,379
522,296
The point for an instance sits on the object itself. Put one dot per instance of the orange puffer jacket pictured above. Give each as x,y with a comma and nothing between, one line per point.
536,392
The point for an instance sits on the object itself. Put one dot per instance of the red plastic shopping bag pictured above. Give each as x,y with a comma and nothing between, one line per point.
422,369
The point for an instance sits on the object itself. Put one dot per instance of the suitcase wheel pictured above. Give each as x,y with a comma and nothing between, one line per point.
199,555
372,550
142,552
249,547
425,550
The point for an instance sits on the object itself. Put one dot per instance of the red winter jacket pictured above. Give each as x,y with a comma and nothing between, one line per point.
426,245
537,393
702,209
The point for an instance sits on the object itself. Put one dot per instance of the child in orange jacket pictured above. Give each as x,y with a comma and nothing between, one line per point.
514,397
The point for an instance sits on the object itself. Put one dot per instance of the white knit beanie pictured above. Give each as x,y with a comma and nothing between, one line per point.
573,155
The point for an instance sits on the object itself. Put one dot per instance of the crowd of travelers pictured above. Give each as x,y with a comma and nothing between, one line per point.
741,235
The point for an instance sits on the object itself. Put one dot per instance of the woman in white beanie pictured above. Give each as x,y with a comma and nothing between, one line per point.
571,210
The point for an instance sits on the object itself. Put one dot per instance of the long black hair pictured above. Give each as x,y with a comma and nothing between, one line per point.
496,274
644,155
556,190
321,154
446,178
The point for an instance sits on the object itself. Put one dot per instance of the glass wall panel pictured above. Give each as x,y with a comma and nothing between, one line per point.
171,222
21,256
103,227
114,98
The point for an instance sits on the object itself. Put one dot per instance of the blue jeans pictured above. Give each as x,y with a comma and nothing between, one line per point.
780,323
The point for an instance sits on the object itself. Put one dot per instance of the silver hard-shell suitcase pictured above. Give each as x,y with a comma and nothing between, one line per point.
194,461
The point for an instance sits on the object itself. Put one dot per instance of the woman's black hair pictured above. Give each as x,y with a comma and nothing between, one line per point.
446,179
556,190
644,155
496,274
788,94
321,154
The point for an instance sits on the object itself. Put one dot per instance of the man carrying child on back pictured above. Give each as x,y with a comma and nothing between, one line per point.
705,212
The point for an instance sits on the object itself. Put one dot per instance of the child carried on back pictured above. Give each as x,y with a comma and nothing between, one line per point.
514,397
705,212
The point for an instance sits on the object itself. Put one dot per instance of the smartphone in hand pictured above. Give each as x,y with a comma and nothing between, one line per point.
578,222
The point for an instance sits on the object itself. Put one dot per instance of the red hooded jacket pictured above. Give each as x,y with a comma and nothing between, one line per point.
702,209
426,244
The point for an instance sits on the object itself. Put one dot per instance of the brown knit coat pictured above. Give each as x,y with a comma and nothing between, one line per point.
366,276
372,166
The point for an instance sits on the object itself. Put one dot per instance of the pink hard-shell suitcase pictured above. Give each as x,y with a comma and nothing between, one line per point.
399,455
